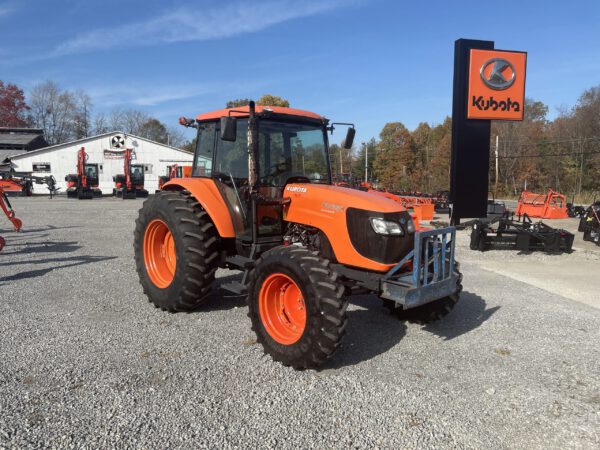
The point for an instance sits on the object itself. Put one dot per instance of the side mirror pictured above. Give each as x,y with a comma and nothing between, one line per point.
228,128
349,138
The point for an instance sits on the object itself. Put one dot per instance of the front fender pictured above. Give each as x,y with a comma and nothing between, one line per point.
205,191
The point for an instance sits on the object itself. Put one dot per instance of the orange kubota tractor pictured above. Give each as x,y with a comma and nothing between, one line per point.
264,204
131,184
84,184
6,207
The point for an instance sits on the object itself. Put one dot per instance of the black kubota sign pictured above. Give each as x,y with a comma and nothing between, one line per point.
488,84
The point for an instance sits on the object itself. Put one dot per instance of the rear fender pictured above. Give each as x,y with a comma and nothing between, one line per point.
205,191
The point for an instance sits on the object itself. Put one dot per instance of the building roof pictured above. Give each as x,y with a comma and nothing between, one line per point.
4,154
242,111
17,138
88,139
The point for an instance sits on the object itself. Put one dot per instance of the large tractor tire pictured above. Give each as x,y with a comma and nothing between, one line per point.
297,307
430,312
176,251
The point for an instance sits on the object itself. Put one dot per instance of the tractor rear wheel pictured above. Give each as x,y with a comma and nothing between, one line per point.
296,306
433,311
176,251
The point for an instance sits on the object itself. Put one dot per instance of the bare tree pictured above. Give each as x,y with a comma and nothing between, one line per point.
63,115
176,137
82,115
134,120
100,124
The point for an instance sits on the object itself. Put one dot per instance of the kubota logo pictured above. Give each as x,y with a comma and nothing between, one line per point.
495,105
496,88
501,75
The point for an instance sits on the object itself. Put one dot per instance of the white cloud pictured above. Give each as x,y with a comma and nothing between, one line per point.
6,9
197,24
153,94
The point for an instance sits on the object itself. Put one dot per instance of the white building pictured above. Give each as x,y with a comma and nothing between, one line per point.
107,151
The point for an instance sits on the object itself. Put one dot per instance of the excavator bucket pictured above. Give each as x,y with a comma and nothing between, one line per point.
17,223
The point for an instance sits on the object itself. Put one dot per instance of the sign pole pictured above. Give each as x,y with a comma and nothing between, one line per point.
470,142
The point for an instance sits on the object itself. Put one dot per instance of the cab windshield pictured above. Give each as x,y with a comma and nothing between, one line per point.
287,150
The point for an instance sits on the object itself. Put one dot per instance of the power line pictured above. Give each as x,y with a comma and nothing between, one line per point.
540,143
544,155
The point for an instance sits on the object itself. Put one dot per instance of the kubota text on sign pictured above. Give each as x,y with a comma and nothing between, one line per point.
496,84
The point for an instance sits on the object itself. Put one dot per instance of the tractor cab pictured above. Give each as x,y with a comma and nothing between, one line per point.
289,146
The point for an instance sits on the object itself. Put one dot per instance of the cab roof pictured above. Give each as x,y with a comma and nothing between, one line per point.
243,111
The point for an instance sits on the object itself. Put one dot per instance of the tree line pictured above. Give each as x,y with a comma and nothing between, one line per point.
66,115
537,153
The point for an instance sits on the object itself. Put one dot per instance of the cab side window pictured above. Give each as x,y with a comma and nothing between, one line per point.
232,157
205,147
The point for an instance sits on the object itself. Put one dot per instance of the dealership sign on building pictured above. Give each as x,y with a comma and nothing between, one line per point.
496,84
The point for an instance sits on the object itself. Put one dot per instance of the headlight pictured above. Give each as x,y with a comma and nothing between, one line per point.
410,226
387,227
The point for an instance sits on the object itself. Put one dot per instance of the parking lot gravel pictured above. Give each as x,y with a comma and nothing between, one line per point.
87,362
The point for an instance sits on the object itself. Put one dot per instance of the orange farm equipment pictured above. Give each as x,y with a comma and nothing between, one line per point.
22,183
84,184
174,171
130,185
10,214
266,205
423,207
551,205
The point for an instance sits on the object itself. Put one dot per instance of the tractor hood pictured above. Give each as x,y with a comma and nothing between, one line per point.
329,199
344,216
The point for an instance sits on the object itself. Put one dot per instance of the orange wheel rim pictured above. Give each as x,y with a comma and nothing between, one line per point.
159,253
282,308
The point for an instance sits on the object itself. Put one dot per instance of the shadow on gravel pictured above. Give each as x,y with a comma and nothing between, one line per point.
47,247
470,313
73,261
220,299
370,332
26,230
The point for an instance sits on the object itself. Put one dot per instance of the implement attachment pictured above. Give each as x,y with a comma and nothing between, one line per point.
427,273
522,235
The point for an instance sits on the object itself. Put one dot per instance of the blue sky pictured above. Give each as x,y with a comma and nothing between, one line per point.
369,62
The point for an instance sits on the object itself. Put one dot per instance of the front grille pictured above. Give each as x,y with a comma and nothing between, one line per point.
380,248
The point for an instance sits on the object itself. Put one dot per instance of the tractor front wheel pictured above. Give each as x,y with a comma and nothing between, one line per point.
296,306
176,251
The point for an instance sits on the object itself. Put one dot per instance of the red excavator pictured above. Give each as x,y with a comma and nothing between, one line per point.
7,208
84,184
174,171
131,184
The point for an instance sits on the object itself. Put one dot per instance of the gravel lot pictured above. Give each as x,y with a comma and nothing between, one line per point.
86,361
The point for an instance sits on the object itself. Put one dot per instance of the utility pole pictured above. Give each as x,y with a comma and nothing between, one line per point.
366,163
581,168
496,179
341,167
